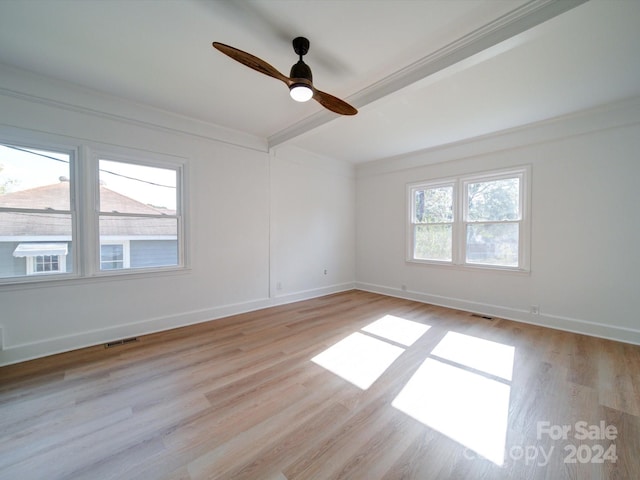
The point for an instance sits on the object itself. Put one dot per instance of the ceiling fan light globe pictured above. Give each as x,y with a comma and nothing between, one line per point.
300,92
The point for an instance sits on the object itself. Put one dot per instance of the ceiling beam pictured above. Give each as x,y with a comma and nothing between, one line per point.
519,20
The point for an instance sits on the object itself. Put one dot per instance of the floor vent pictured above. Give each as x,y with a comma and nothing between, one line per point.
124,341
486,317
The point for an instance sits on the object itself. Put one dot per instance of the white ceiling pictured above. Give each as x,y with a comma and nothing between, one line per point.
422,73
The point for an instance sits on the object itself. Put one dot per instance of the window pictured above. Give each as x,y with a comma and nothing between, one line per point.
45,264
43,257
37,213
478,220
433,226
138,217
492,217
129,218
112,257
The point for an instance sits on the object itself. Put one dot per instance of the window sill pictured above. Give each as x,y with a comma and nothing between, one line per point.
469,267
26,283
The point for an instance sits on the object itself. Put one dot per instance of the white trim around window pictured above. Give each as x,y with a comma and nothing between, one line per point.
46,264
161,223
120,255
479,220
152,233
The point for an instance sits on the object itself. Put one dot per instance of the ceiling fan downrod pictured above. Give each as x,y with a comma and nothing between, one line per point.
301,70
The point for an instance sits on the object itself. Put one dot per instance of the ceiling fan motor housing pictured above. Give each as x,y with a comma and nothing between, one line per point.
301,87
301,71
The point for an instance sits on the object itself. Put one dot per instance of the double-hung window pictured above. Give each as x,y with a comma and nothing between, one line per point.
477,220
139,221
433,221
37,211
75,212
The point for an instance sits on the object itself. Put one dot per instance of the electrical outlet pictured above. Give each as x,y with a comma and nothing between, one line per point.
325,271
279,286
535,310
1,338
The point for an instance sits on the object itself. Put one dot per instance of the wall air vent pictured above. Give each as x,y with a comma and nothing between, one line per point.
123,341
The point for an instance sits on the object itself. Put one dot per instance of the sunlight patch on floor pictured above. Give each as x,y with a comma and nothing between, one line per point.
396,329
464,406
359,359
480,354
470,407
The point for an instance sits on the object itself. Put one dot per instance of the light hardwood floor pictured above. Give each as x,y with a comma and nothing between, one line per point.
241,398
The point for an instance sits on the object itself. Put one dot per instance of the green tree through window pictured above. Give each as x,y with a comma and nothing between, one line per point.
477,220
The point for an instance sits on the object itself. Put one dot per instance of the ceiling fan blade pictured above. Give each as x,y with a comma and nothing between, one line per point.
333,103
328,101
251,61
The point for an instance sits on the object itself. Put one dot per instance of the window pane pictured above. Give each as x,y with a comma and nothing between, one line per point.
493,244
34,179
47,263
111,257
433,205
25,237
152,242
432,242
130,188
494,201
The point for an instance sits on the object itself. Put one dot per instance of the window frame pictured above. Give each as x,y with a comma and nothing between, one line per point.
84,207
32,265
148,160
48,145
439,183
461,222
126,258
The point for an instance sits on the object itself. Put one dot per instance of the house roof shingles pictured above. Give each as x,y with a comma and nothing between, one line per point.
56,198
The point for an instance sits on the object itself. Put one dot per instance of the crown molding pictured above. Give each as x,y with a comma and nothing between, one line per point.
34,88
507,26
619,114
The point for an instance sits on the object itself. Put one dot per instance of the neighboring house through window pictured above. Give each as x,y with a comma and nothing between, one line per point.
37,212
138,221
43,258
45,264
137,214
112,256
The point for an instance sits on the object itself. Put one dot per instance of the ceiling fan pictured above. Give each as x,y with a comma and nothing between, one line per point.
299,80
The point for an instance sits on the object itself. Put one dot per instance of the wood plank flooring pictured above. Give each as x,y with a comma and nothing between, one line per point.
241,398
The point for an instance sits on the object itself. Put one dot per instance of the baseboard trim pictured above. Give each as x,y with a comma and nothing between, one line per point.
51,346
29,351
557,322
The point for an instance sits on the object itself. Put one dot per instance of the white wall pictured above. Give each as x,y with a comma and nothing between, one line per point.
260,220
312,223
585,225
248,211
